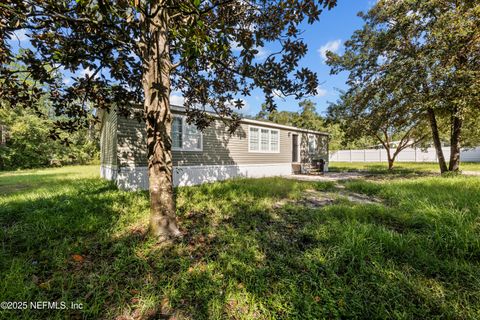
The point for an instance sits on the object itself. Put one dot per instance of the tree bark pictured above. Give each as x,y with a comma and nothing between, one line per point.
156,86
455,137
436,140
390,164
390,159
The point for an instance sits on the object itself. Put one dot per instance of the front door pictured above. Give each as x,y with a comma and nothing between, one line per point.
295,148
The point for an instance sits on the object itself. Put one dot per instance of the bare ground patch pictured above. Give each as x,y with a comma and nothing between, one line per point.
317,199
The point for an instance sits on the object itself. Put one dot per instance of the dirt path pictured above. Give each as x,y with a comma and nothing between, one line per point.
471,173
330,176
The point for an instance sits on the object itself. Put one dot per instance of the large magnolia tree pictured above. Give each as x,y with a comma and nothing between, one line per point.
430,50
138,51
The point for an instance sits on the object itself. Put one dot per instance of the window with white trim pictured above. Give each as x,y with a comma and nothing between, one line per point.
177,133
263,140
185,137
312,144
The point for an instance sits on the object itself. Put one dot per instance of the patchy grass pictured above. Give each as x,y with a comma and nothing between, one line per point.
399,167
252,249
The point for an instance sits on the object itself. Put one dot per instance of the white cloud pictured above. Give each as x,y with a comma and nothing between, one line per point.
20,35
232,104
67,81
87,72
246,106
321,92
177,100
332,46
245,110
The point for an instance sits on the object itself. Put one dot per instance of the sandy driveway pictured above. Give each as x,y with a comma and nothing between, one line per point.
336,176
329,176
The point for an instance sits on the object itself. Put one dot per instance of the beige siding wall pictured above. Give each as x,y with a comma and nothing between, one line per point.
132,145
108,139
219,148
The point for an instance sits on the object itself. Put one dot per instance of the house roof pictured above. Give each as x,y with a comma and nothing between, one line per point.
178,108
259,122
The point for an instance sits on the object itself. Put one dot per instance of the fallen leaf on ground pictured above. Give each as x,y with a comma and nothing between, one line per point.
134,300
45,285
77,258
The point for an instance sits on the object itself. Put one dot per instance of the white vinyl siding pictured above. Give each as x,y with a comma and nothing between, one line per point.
263,140
185,137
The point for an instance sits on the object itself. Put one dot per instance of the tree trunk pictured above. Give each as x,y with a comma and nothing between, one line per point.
436,140
390,159
386,145
390,164
156,85
455,137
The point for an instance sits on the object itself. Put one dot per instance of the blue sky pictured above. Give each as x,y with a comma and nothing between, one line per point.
334,28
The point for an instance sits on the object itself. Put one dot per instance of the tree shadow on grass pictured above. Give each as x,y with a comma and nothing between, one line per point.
340,261
381,171
42,232
241,258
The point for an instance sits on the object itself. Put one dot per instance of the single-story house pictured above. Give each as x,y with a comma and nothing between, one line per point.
256,149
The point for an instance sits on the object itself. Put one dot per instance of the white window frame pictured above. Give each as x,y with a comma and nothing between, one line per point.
184,125
260,140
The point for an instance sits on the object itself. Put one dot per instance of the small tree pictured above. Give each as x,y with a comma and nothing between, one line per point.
383,117
139,51
410,45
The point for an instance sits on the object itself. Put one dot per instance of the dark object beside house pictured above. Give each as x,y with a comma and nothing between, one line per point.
318,165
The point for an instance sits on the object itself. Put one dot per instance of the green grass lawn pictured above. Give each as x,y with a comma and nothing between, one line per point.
399,167
253,249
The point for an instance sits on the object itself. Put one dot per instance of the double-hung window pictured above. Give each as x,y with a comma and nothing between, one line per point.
185,137
263,140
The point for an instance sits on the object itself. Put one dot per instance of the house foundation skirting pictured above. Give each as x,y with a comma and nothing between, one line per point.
108,172
136,178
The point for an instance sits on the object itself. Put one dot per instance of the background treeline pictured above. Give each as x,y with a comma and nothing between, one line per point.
308,118
414,77
25,140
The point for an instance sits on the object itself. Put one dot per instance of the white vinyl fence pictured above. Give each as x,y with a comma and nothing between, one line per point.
407,155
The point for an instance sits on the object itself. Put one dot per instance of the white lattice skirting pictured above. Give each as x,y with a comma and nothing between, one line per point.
136,178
